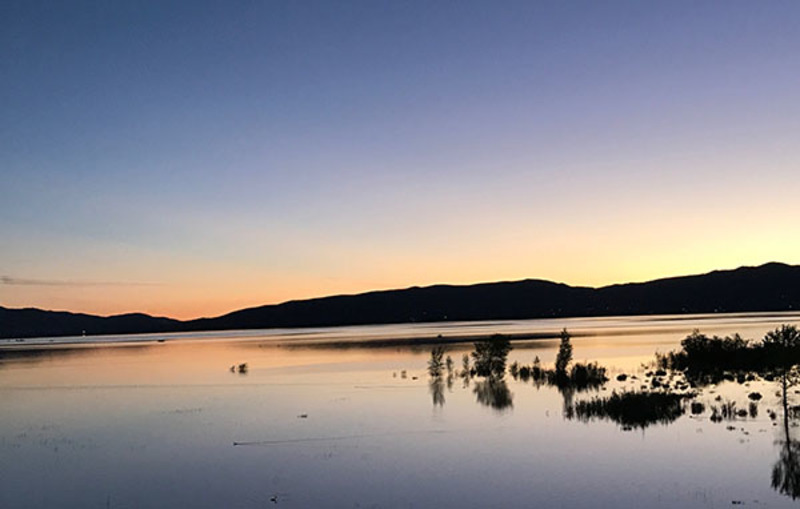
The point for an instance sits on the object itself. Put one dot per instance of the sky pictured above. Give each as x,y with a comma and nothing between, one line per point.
191,158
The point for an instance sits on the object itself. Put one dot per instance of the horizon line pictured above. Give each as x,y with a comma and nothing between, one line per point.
399,289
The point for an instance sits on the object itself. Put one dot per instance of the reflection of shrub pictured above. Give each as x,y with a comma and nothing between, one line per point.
436,388
493,392
786,471
632,409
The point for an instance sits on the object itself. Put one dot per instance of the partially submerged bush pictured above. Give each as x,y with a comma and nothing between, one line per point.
712,359
583,376
490,356
632,409
564,356
580,376
435,364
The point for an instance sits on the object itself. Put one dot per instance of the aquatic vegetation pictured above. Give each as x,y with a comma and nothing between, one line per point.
586,376
631,409
783,339
241,368
728,410
435,364
436,382
489,364
564,356
490,356
707,360
580,377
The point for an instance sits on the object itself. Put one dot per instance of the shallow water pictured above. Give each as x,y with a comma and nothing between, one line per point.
121,423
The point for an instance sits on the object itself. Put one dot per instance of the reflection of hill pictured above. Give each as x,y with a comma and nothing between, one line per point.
770,287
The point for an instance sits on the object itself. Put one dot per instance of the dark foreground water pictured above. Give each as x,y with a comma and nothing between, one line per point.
323,418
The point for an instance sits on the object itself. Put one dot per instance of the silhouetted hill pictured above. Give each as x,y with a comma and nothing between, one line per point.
21,323
770,287
430,304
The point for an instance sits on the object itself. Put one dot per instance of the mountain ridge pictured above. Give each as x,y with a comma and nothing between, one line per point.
772,286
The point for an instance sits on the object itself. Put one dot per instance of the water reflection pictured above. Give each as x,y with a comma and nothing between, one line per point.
334,429
786,471
669,390
706,362
436,388
493,392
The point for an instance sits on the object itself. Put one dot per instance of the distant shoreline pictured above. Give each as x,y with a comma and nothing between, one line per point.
408,335
773,287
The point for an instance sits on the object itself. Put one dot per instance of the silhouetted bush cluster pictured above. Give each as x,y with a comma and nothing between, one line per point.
490,356
712,359
580,376
631,409
435,364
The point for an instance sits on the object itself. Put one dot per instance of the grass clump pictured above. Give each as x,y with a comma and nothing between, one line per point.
632,409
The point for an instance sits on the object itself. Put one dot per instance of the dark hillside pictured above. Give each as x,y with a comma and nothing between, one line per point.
770,287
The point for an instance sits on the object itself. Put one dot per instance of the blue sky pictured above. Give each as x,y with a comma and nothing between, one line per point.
189,158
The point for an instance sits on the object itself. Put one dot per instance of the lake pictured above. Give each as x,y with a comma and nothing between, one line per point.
352,417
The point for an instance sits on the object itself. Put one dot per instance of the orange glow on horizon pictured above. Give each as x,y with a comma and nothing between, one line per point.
193,300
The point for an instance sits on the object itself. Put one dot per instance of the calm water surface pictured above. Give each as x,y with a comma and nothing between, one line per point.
325,418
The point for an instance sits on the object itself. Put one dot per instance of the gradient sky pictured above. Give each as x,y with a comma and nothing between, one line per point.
191,158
